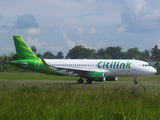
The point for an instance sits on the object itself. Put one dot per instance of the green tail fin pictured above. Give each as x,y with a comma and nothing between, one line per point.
22,49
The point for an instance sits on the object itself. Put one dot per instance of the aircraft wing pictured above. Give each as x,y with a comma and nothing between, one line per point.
80,71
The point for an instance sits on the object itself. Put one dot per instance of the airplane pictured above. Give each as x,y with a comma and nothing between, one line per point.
93,69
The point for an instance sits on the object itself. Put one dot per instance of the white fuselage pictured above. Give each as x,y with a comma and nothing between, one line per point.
111,67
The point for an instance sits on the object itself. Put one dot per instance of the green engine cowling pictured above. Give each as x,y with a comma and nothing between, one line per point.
100,76
97,76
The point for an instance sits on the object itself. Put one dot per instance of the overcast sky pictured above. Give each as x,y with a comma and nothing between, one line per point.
59,25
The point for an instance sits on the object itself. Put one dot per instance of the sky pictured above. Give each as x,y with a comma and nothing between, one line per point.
59,25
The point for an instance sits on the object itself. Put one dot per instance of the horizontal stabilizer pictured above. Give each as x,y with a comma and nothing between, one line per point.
18,63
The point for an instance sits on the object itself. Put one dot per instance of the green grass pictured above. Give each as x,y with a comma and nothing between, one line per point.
36,78
70,102
34,103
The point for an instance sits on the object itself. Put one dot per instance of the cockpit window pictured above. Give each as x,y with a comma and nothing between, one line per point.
145,65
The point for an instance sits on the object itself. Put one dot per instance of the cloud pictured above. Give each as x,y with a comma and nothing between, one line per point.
121,30
2,32
91,31
6,25
80,31
26,21
1,17
68,21
84,44
102,45
140,16
56,48
35,42
91,0
158,42
33,31
11,49
69,43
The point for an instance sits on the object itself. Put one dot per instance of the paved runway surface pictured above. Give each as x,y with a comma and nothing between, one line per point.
85,84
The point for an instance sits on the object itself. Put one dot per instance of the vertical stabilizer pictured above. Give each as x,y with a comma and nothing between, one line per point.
22,49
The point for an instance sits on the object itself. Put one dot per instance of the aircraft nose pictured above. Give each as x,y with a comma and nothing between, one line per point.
153,71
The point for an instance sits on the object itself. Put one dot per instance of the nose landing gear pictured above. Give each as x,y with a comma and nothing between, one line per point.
135,80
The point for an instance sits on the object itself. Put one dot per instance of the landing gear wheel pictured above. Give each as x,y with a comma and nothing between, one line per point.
135,82
80,81
89,81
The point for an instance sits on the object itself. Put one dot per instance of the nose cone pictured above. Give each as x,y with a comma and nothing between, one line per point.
153,71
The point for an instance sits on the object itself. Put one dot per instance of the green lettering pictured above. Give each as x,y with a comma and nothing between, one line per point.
117,65
111,64
122,65
114,64
107,65
99,66
104,64
128,65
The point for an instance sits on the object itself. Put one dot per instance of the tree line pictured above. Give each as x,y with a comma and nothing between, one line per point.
80,52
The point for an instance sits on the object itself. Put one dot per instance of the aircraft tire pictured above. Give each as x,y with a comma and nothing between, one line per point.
80,81
89,81
135,82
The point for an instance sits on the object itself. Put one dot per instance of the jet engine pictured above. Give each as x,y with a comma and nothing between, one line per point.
97,76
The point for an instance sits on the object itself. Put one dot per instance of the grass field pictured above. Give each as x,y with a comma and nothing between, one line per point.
54,102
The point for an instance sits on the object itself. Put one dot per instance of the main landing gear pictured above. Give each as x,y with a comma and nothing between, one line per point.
89,81
135,80
80,81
